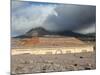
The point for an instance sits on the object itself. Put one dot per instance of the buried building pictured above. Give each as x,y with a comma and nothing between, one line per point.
50,45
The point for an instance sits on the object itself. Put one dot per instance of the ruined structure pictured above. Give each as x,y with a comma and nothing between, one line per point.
46,45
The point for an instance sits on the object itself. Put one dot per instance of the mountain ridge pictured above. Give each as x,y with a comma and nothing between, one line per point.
41,32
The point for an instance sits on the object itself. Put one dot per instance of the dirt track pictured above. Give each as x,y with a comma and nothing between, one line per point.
27,63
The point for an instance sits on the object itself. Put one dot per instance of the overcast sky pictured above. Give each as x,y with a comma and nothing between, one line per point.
53,17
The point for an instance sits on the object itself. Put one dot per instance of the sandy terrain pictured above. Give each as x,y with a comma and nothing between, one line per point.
28,63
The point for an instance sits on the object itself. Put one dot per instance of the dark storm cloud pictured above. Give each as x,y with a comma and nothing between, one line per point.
72,17
55,17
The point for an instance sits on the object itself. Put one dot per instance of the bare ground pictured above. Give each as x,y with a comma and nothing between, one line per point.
27,63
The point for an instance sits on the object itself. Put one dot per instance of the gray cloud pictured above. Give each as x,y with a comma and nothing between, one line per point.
23,19
72,17
55,17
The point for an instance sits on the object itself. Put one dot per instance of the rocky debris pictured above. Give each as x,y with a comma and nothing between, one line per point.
47,63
